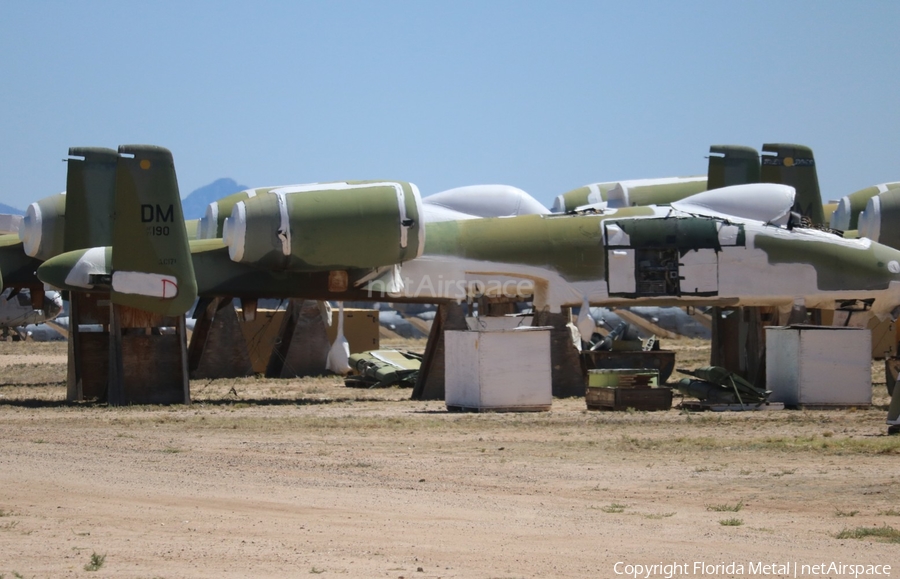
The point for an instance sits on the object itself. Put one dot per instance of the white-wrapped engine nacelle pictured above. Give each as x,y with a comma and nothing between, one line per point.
43,227
880,219
849,207
327,226
212,222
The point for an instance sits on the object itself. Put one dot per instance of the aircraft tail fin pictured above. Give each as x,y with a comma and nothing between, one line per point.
794,165
151,258
90,197
732,165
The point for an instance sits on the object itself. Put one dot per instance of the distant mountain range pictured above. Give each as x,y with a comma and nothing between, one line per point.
194,205
7,210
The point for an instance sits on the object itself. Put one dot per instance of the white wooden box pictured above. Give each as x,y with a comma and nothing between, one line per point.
500,370
819,365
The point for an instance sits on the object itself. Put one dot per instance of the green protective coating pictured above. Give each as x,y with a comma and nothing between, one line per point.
17,269
262,246
578,197
53,226
218,275
732,165
860,269
573,246
56,270
347,228
858,200
794,165
149,233
682,233
889,233
333,229
664,193
191,226
90,194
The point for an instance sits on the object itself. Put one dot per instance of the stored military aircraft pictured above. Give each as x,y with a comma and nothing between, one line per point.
356,240
731,246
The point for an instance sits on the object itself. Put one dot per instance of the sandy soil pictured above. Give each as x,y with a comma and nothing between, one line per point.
261,478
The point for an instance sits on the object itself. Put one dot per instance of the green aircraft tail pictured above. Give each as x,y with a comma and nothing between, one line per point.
794,165
732,165
151,259
90,195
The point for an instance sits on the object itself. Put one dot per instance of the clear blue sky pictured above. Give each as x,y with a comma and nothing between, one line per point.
546,96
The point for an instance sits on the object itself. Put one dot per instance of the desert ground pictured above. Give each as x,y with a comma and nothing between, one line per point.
293,478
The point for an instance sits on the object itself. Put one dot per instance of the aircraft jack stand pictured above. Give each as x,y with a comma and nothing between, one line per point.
218,348
302,346
136,358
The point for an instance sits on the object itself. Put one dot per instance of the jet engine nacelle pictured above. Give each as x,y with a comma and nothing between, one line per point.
879,221
327,226
43,227
212,222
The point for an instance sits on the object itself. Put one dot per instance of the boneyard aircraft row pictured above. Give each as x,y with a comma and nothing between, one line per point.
729,246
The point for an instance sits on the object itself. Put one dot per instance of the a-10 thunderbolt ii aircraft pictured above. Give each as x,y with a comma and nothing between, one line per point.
370,240
351,240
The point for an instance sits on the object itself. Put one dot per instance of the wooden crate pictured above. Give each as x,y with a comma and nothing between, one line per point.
604,398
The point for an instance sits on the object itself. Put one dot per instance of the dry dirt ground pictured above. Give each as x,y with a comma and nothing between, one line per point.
264,478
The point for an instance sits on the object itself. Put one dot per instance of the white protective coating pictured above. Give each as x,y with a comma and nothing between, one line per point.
480,201
417,197
209,223
728,234
619,196
840,218
620,263
145,284
616,236
32,230
870,219
699,270
585,322
206,229
843,213
284,226
234,231
93,261
596,195
765,202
